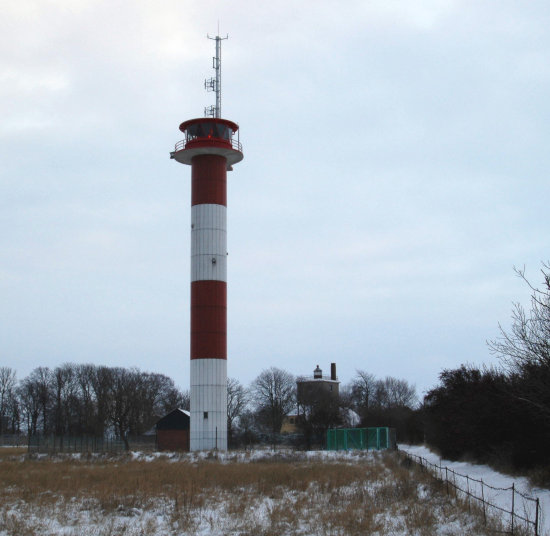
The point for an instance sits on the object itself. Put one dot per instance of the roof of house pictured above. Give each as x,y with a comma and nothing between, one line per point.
177,419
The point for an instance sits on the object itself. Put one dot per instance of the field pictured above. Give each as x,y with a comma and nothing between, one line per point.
258,493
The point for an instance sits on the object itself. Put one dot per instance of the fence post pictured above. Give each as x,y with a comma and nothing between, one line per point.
483,503
468,492
447,480
454,483
537,518
513,501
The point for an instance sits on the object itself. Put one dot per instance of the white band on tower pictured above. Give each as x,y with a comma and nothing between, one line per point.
208,242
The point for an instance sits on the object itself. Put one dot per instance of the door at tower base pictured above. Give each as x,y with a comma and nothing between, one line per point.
208,404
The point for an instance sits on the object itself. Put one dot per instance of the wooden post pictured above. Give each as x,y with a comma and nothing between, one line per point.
483,503
513,502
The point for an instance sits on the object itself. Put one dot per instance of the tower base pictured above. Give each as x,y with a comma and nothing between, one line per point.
208,404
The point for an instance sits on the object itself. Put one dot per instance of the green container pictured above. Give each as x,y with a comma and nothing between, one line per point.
361,438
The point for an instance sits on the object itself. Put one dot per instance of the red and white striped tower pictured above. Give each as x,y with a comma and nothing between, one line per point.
211,150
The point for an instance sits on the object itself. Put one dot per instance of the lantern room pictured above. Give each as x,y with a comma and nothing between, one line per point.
209,135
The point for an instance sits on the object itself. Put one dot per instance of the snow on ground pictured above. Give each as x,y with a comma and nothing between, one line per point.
244,456
503,499
390,504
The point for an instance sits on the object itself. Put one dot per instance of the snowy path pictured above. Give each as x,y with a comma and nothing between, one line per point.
491,477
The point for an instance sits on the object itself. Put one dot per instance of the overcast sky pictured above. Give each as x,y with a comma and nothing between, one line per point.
395,170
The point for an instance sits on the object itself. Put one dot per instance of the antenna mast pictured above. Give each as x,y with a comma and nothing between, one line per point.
215,84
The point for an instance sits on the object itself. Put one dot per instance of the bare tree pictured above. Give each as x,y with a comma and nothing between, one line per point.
42,379
274,395
123,391
168,396
65,398
362,390
84,377
184,400
525,350
146,407
29,397
399,393
391,393
237,399
7,391
102,386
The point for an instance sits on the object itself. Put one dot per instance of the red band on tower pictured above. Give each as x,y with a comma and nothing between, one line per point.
208,320
209,180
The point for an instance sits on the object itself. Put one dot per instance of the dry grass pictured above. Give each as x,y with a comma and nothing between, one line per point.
371,494
9,452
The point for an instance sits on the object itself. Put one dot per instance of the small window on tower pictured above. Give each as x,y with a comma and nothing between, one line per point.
206,414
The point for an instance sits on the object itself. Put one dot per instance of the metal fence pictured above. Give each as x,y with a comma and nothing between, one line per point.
13,440
52,444
361,438
524,511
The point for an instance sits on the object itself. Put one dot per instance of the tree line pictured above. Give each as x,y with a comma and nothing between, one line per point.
90,400
500,415
80,400
364,401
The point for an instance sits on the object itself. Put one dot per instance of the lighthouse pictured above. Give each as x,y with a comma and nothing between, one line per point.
211,147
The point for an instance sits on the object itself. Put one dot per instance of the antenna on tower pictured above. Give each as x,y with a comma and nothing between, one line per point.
215,84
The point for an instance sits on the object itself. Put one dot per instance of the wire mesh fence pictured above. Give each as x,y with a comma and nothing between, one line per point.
13,440
519,511
52,444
